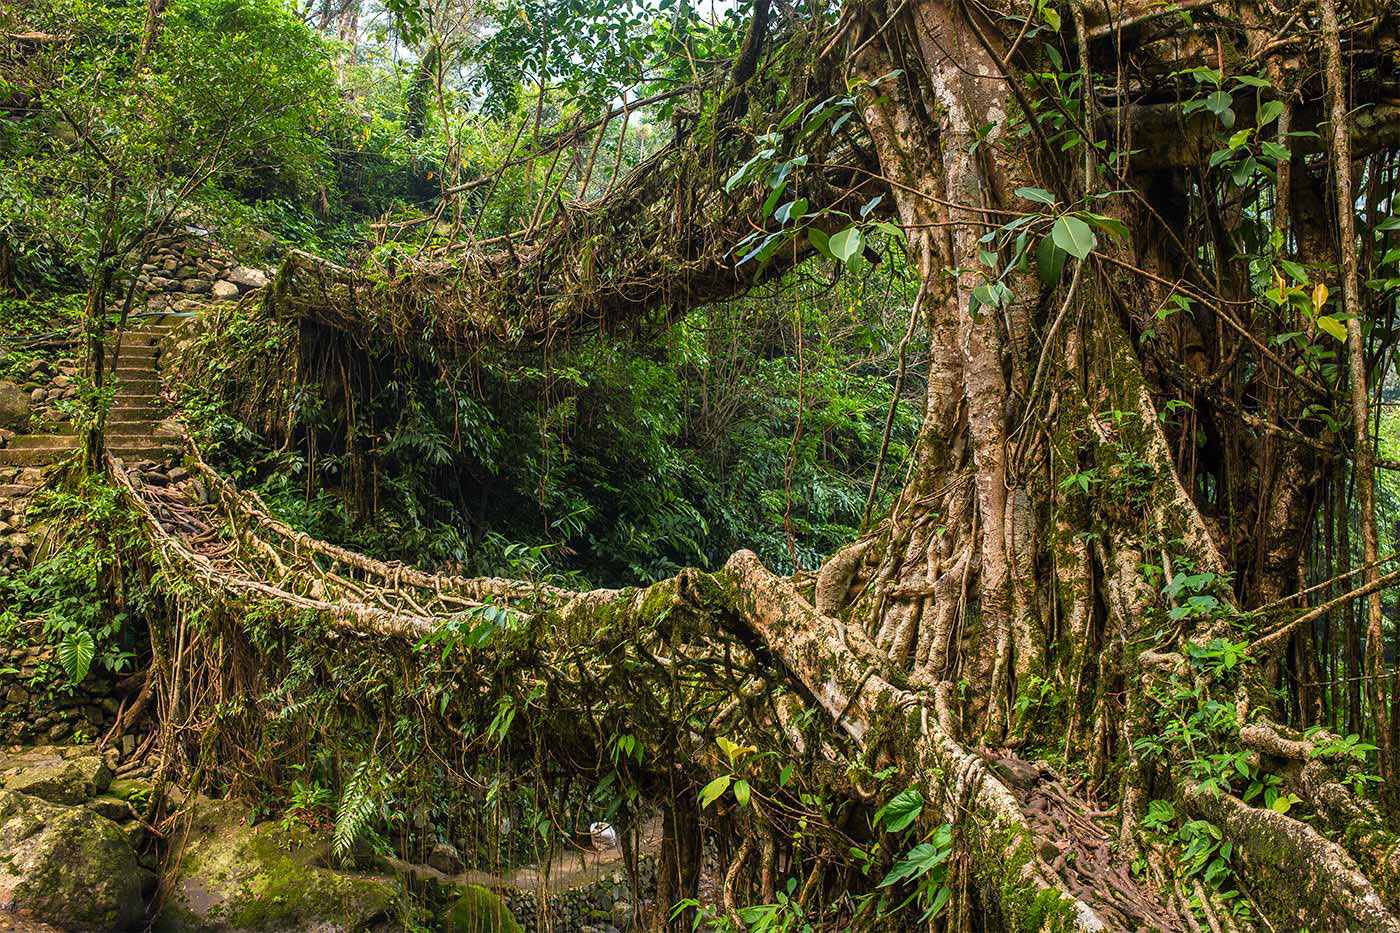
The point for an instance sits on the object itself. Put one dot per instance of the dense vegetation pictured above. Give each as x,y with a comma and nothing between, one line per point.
1043,357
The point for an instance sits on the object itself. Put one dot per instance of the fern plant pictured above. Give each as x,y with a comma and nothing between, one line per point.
359,801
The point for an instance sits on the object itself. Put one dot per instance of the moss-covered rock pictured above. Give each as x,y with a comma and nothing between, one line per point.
228,876
45,773
478,910
67,865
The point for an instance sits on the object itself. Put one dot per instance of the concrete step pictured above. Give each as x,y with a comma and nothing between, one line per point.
34,456
43,440
119,424
136,372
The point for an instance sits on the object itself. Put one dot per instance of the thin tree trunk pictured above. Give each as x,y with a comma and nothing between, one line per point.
1363,453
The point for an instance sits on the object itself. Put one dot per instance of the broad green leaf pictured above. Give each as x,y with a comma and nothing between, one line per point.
763,249
1333,326
792,210
903,810
1109,225
885,227
741,792
1039,195
918,862
714,790
773,198
747,168
1074,236
1295,271
987,295
75,653
846,244
821,241
1050,260
1269,111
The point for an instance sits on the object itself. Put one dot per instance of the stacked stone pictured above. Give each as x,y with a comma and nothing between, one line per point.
32,712
38,392
602,906
192,272
16,544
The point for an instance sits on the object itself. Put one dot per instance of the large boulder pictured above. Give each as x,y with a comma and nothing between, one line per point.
228,876
67,866
14,406
47,773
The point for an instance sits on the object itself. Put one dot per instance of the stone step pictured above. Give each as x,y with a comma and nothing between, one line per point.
43,440
139,415
14,490
136,372
135,347
133,452
33,456
124,424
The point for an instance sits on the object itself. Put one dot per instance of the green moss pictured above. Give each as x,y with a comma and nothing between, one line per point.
479,910
1023,904
266,878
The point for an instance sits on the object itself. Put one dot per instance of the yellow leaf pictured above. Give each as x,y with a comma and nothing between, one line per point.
1319,296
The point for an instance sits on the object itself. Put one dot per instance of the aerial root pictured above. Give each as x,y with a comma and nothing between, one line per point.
1297,876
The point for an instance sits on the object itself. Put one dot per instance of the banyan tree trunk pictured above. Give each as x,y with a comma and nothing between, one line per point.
1049,503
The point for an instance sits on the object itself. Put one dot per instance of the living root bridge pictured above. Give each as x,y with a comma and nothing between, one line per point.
232,551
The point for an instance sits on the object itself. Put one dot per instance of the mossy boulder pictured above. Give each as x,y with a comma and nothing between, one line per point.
67,865
228,876
478,910
47,774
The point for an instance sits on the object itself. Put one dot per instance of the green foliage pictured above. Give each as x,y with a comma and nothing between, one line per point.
65,598
234,93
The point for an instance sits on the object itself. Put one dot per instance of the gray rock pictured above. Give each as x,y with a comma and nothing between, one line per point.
225,291
37,396
44,773
14,406
246,278
446,859
67,865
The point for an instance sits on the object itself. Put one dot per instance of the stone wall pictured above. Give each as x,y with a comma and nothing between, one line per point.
601,906
188,274
38,705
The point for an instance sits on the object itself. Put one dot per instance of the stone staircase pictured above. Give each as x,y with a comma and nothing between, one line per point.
132,425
